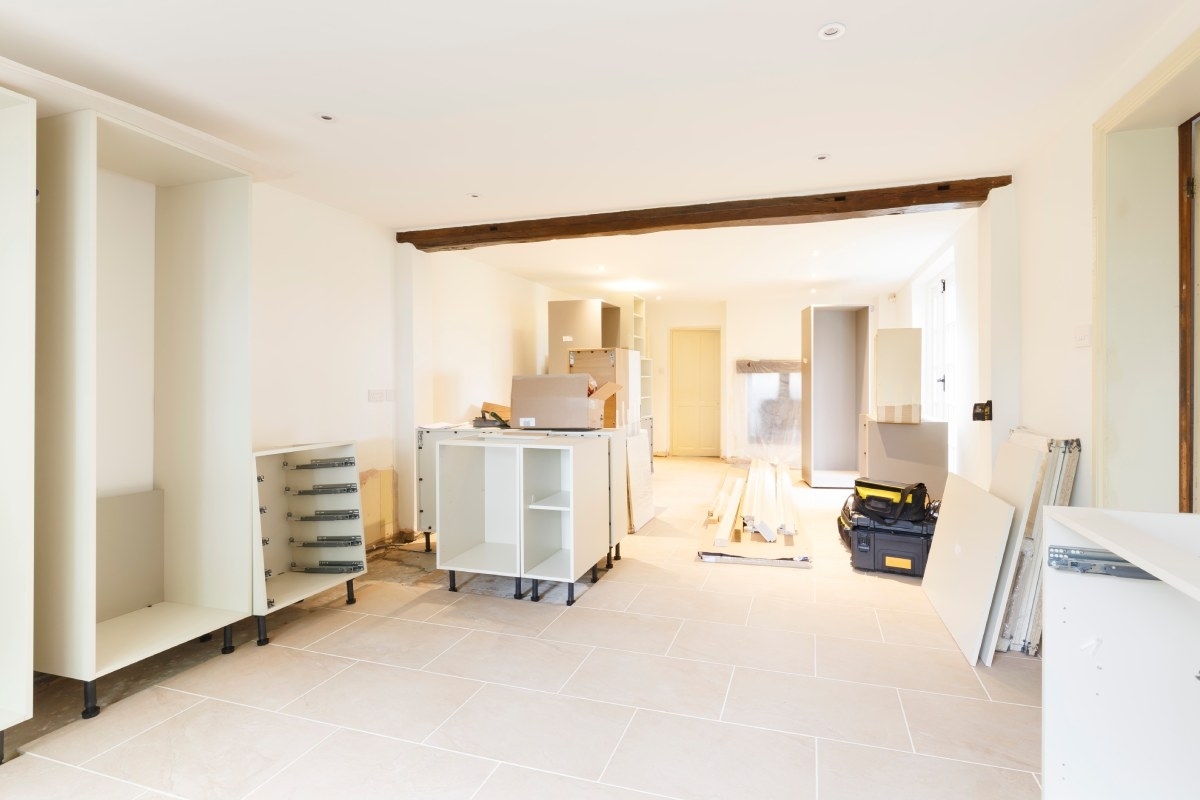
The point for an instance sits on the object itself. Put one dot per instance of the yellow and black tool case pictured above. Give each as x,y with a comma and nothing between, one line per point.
881,551
888,527
888,501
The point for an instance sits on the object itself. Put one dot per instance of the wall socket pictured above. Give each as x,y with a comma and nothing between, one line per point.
380,395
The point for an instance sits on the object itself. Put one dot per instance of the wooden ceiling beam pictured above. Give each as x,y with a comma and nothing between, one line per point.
942,196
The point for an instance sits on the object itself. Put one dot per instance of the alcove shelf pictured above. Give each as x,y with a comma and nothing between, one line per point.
143,397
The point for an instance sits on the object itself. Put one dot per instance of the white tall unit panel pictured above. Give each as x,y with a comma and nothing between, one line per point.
138,552
18,186
307,525
835,347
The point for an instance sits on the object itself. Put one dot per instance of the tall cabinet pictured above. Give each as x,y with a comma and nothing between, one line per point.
835,346
143,397
18,188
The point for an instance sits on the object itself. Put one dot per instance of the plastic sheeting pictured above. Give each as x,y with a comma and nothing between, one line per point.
770,404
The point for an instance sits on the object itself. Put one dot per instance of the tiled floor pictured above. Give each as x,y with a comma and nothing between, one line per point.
671,677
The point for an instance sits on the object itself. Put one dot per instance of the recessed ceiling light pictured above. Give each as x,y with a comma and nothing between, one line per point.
822,156
600,268
812,291
472,195
659,297
816,252
830,31
325,117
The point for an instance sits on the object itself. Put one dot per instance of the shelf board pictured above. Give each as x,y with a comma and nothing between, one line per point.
559,501
492,558
131,637
286,588
555,568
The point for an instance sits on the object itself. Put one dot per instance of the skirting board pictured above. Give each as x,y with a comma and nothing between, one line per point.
964,561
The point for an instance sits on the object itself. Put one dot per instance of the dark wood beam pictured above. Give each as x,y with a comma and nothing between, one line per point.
942,196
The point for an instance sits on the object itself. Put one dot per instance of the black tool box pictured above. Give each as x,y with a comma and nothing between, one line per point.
901,546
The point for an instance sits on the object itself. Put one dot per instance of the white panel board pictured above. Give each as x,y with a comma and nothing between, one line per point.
964,560
1016,479
641,492
1120,697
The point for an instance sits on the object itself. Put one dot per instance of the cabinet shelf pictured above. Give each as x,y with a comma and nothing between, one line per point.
129,638
556,567
493,558
287,588
559,501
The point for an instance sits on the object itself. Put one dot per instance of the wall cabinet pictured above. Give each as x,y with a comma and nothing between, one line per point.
307,523
523,507
143,397
18,187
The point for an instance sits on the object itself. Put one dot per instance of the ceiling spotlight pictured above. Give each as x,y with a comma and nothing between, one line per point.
658,297
812,291
600,268
830,31
325,117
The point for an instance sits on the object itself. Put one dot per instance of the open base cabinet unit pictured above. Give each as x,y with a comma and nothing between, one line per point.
308,528
525,507
18,132
143,397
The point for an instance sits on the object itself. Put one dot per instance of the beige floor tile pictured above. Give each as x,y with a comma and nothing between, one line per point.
999,734
516,783
907,627
874,589
609,595
400,601
815,618
512,660
88,738
33,777
392,701
498,614
267,677
816,707
1013,679
657,682
850,772
376,768
692,604
398,642
675,570
756,581
313,626
898,665
214,750
560,734
614,629
740,646
692,758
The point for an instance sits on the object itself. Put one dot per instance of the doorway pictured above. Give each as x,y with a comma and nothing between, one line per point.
696,392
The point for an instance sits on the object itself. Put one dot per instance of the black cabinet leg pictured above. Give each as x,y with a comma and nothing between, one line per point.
618,551
262,631
571,593
205,638
608,559
534,596
227,640
517,590
428,549
350,599
1,745
453,588
90,709
595,574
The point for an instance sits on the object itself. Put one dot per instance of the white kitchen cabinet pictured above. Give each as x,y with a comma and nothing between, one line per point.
143,397
307,523
835,348
525,507
18,188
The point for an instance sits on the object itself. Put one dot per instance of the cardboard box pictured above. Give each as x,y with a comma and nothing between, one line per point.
558,402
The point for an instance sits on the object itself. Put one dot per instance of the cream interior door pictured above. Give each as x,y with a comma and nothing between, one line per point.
695,393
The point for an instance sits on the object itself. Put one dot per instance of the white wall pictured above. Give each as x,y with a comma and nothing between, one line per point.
125,334
322,309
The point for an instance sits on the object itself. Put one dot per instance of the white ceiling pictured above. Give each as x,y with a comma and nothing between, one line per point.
549,108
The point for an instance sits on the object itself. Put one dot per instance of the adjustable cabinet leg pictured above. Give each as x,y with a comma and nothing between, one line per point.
90,709
517,590
608,559
1,745
595,574
205,638
227,640
453,588
428,549
262,631
350,599
571,593
618,551
534,596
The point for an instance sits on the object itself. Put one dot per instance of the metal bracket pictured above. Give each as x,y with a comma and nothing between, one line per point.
1093,561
